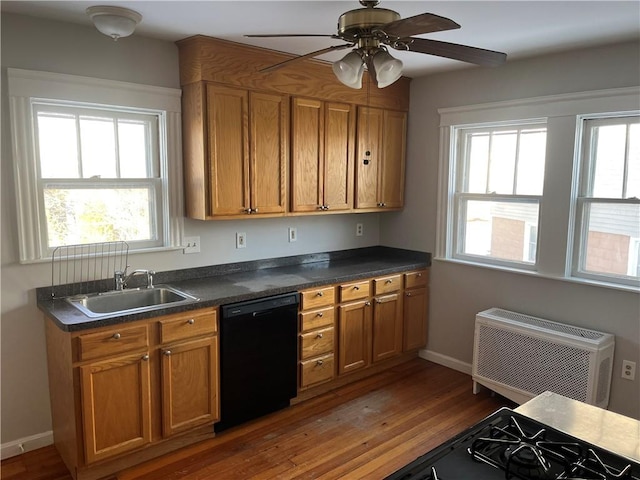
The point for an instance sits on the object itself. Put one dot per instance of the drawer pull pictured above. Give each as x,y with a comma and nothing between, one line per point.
368,304
356,287
378,300
167,353
319,363
408,294
389,281
319,294
319,335
320,314
145,358
116,336
191,321
418,275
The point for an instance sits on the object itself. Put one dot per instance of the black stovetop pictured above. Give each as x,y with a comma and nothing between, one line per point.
509,445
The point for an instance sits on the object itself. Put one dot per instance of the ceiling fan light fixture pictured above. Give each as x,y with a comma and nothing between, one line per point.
115,22
388,69
349,69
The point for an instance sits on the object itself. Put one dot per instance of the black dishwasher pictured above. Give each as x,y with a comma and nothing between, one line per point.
258,358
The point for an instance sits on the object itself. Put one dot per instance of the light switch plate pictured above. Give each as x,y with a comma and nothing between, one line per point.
191,245
241,240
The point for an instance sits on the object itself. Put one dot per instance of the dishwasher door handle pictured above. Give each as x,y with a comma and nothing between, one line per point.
262,313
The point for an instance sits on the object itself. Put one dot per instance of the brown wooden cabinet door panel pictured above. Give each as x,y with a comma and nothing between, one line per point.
338,156
416,308
387,327
268,137
368,157
116,406
394,134
189,385
354,348
307,154
228,141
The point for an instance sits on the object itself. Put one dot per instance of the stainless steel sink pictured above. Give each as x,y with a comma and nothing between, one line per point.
129,301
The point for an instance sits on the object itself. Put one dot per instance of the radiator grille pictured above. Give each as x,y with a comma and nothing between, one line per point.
520,356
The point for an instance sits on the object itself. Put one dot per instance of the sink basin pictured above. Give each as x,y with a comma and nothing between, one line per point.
129,301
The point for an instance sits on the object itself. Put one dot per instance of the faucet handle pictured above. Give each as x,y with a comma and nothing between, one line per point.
150,274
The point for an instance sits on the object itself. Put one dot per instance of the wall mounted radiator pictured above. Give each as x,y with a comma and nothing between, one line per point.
520,356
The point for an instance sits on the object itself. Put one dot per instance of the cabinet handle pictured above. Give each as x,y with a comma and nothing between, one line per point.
191,321
408,294
326,207
255,210
167,353
320,335
145,358
319,294
378,300
389,281
368,304
116,336
356,287
418,275
320,314
319,363
248,210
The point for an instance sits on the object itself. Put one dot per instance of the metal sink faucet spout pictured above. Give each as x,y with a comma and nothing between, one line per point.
121,278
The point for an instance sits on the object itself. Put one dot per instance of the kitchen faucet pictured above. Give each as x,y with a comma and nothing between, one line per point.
121,278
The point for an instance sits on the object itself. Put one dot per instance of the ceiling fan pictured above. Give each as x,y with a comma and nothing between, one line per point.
370,30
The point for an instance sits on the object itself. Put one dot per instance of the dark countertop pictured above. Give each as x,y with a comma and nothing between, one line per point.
230,283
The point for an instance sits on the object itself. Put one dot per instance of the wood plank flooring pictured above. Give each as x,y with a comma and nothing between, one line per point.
366,430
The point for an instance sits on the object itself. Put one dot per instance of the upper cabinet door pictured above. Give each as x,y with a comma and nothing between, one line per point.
339,128
228,139
394,135
307,154
368,157
268,138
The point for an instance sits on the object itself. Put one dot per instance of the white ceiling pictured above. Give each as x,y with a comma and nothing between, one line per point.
518,28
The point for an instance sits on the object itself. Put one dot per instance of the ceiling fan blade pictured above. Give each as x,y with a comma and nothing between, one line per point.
292,35
455,51
418,24
302,57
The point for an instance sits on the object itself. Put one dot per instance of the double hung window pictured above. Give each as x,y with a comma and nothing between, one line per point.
498,188
607,239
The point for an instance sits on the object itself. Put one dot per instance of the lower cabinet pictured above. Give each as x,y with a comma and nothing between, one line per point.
354,326
118,392
416,309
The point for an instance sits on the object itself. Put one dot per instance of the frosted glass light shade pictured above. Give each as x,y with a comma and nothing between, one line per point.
114,22
349,70
388,69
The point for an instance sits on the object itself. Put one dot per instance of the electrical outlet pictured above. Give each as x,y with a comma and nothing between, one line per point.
191,245
293,234
241,240
628,370
359,229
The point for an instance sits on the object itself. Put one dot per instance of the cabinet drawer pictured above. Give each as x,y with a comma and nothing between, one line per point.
317,297
392,283
354,291
112,342
316,370
416,279
188,324
316,319
316,343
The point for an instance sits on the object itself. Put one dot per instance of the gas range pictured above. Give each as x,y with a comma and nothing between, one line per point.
507,445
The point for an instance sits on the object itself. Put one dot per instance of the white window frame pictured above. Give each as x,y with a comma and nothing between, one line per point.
27,88
459,176
557,210
583,199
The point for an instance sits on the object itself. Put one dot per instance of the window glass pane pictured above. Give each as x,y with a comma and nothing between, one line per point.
98,147
612,234
57,146
609,142
633,173
132,142
531,156
502,162
98,215
500,230
478,163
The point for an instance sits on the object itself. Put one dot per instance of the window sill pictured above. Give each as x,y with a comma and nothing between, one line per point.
131,252
581,281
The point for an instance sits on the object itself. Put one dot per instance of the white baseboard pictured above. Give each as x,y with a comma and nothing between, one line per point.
447,361
26,444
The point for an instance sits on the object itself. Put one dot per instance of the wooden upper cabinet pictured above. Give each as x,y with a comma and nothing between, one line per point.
322,138
241,167
380,159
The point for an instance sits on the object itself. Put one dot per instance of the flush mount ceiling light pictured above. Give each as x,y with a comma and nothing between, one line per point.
114,22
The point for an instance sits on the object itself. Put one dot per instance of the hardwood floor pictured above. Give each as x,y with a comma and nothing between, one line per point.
365,430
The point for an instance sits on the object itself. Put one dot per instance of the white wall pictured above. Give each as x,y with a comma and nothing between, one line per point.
458,292
36,44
